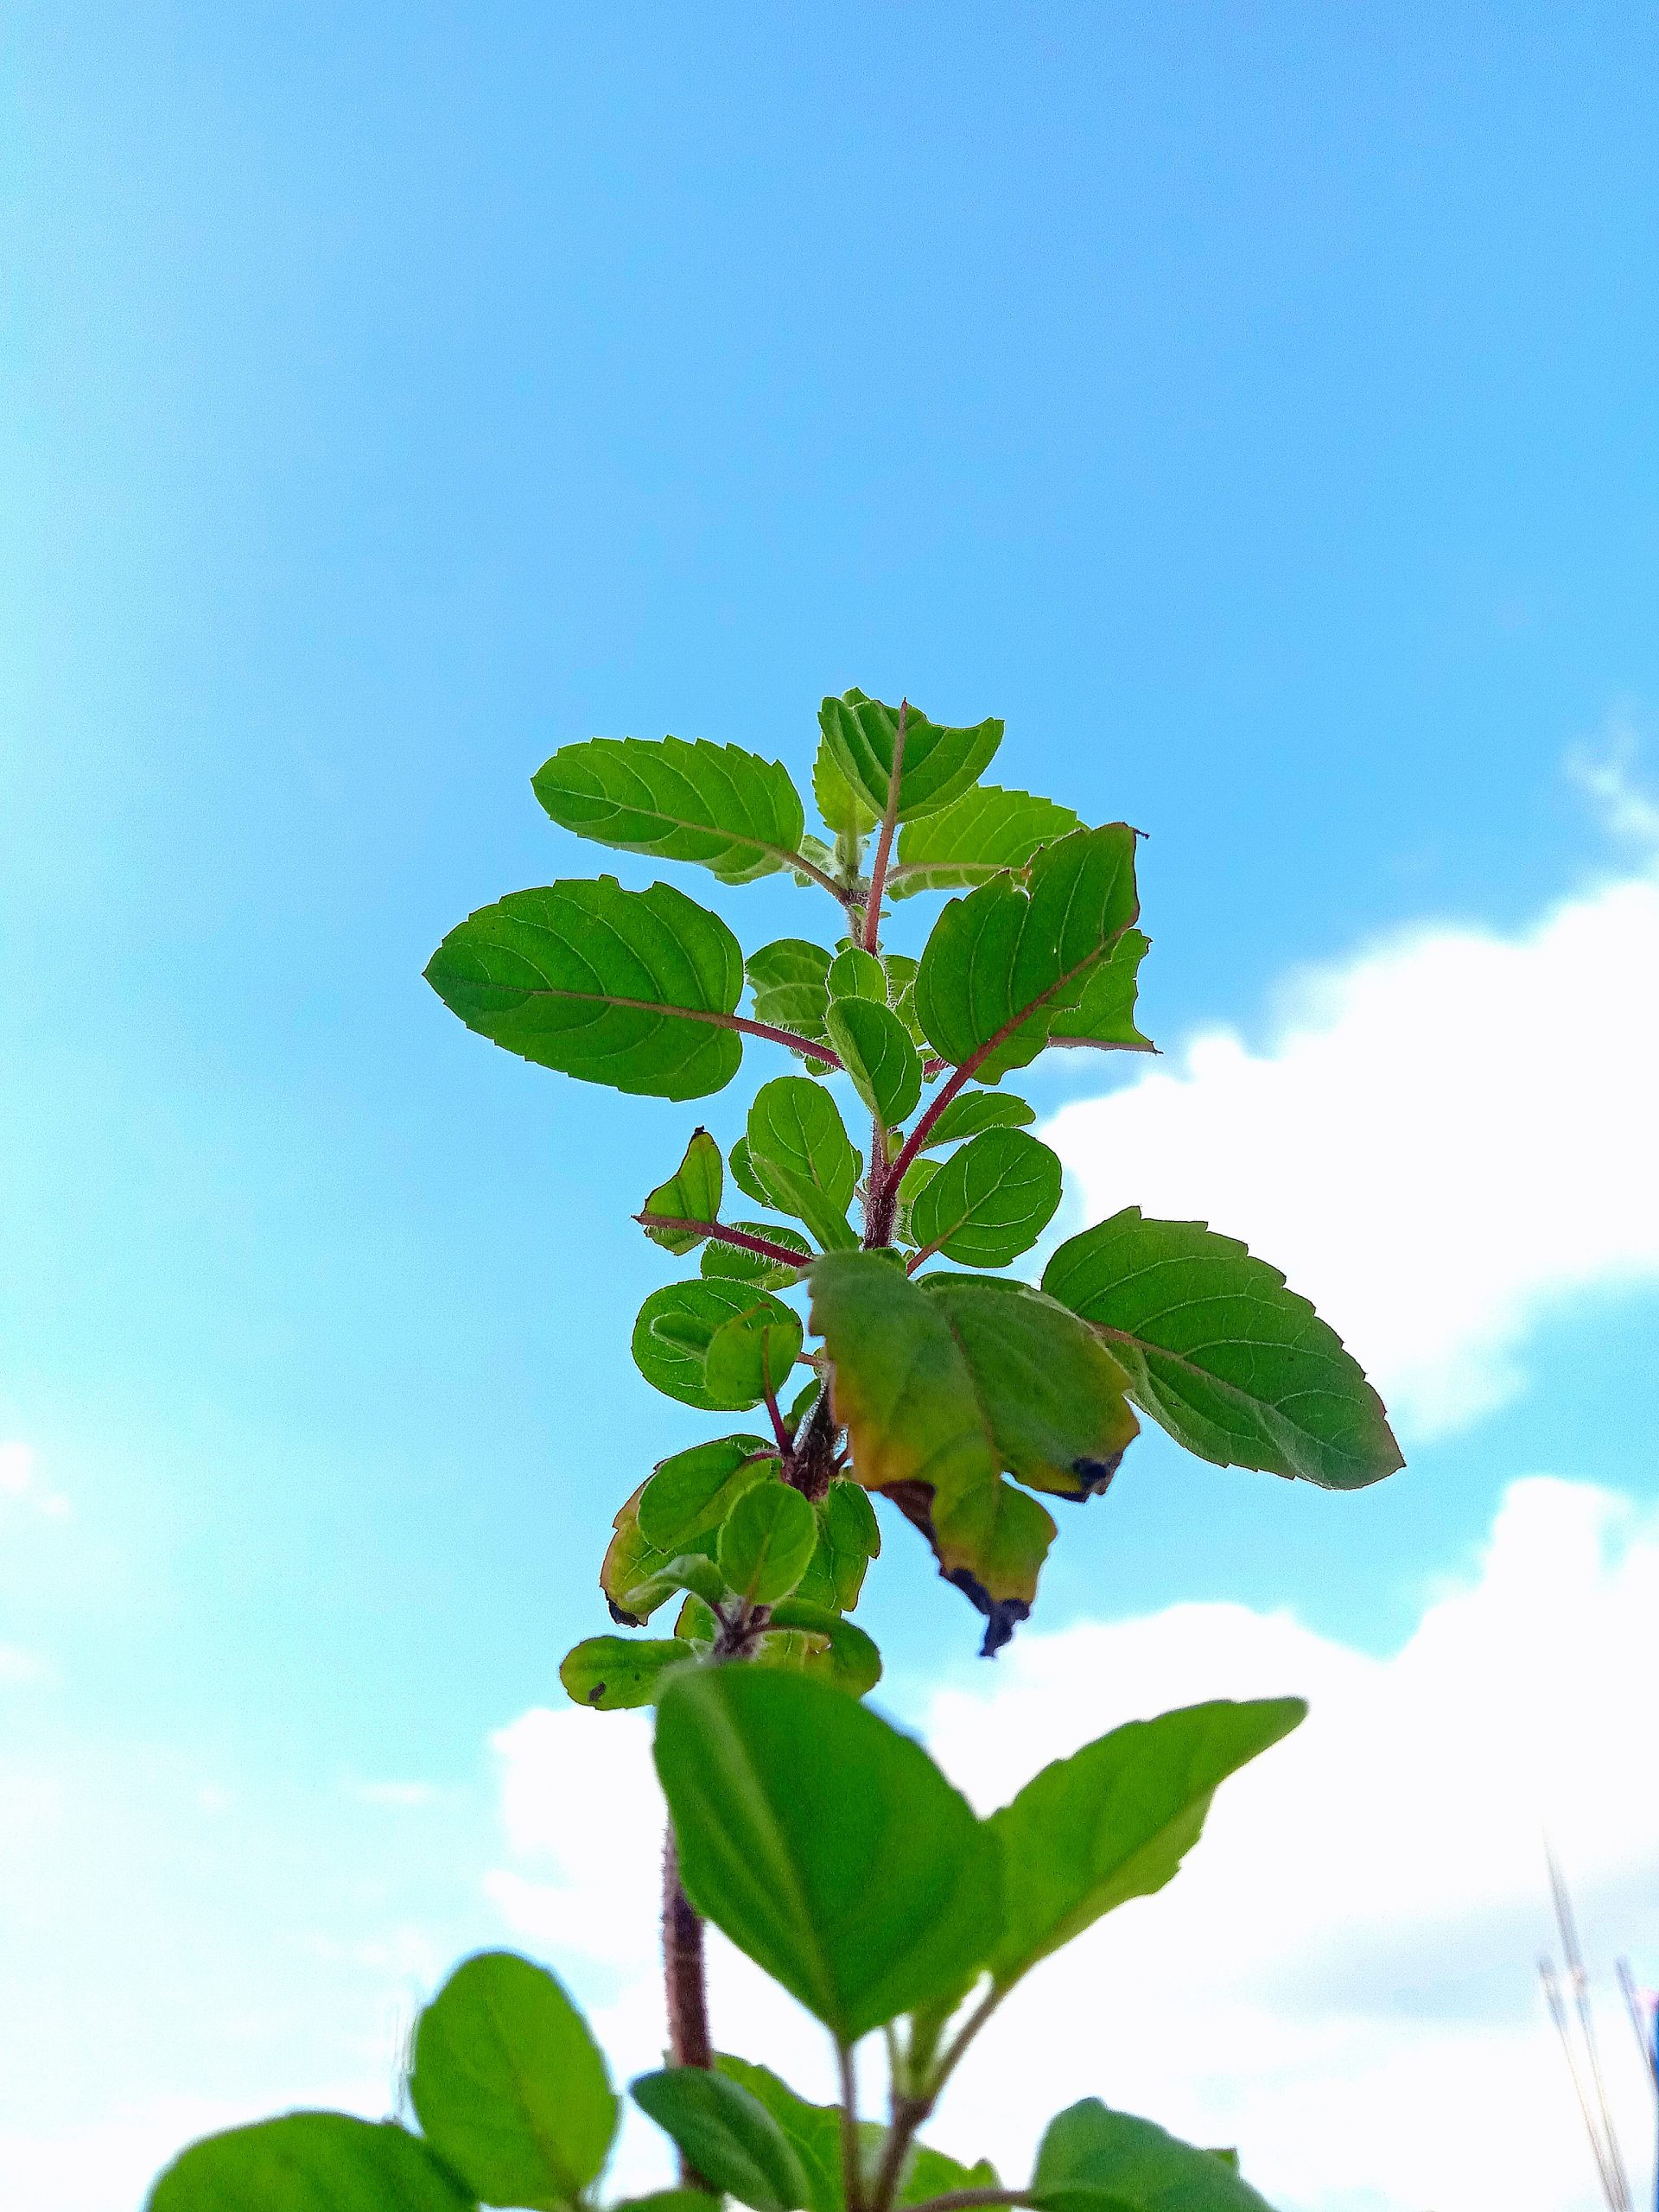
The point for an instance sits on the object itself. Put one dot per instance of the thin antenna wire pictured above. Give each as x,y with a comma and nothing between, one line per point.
1620,2198
1558,2014
1638,2026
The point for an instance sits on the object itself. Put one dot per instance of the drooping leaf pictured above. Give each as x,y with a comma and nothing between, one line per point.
689,1494
1105,1013
726,809
855,973
1093,2159
875,1049
692,1571
798,1150
676,1329
843,812
969,1112
828,1847
308,2162
766,1540
725,2134
813,2131
790,981
634,989
1236,1366
1050,1394
614,1672
990,1201
739,1265
971,840
752,1354
631,1561
1115,1820
846,1657
939,765
691,1193
509,2085
903,1390
1004,960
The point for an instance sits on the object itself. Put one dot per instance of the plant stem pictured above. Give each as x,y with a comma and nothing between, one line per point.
684,1980
962,2200
884,845
720,1234
815,1451
852,2164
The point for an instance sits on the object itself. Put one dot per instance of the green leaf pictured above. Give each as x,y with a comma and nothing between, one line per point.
727,2135
814,2130
509,2086
667,2200
849,1539
630,1561
691,1493
613,1673
1005,960
855,973
767,1538
1237,1367
692,1571
905,1391
752,1354
980,834
842,811
850,1658
726,809
798,1150
696,1625
790,981
1105,1013
828,1847
974,1110
743,1172
676,1330
990,1201
1115,1820
692,1193
901,992
875,1049
1095,2160
928,2173
634,989
939,765
1049,1392
308,2162
733,1262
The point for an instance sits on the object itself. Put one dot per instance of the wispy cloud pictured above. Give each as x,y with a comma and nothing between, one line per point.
1341,1980
1444,1138
20,1482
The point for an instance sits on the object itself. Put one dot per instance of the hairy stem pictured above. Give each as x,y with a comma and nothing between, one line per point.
884,845
720,1234
815,1451
684,1980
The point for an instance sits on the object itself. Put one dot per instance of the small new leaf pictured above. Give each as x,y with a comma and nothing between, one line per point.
674,1338
875,1049
715,804
974,1110
768,1538
938,764
855,973
843,1653
797,1152
1219,1351
790,981
693,1192
614,1672
689,1494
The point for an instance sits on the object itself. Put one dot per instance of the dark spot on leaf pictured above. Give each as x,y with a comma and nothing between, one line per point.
1002,1615
1094,1475
622,1619
596,1693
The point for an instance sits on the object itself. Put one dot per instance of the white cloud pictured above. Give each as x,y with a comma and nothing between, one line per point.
18,1482
1446,1137
1343,1979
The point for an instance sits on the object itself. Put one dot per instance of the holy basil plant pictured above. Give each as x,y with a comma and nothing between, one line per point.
834,1264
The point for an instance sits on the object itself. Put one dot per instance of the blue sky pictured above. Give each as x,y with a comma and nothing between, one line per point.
1252,406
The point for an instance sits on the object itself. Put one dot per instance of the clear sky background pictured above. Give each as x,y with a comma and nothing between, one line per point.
1256,408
